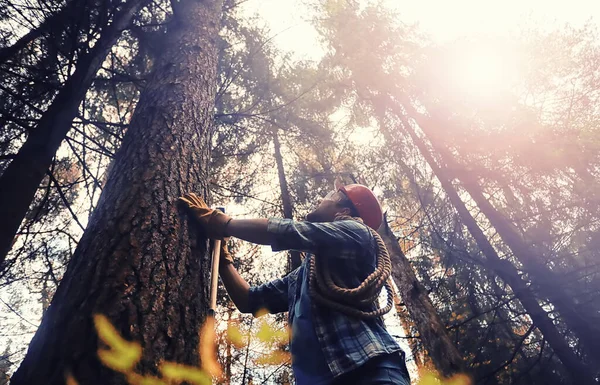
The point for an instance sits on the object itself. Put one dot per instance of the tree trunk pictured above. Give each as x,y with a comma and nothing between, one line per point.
228,350
294,259
421,360
20,180
432,330
504,269
140,262
548,283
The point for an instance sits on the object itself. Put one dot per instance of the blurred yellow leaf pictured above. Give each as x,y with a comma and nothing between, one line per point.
108,334
70,380
459,379
121,355
429,378
172,371
136,379
261,312
208,348
277,357
236,336
269,334
115,361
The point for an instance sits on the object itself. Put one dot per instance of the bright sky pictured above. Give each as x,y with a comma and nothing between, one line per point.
443,20
446,20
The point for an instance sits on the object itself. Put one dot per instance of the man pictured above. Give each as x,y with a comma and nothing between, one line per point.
334,340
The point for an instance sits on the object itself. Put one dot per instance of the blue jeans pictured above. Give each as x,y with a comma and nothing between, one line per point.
388,369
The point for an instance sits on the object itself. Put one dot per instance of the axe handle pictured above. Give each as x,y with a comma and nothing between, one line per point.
214,274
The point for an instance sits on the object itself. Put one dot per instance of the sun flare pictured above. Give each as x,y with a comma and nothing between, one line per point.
482,72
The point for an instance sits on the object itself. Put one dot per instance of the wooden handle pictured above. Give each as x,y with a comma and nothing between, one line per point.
214,274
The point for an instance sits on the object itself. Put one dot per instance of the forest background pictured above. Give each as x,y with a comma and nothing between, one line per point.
476,123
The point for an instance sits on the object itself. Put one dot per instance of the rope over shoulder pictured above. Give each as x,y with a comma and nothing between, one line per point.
325,288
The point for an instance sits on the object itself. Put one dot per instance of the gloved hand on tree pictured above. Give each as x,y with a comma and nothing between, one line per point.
214,222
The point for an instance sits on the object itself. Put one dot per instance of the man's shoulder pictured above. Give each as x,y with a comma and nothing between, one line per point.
357,230
352,224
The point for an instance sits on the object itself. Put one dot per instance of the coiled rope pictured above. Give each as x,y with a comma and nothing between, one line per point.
327,290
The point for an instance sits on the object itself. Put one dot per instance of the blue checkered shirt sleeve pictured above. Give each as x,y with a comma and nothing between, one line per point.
271,296
344,237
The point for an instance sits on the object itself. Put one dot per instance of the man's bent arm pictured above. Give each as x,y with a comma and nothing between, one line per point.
236,287
251,230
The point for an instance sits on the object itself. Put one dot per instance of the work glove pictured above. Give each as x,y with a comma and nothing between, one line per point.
226,258
214,222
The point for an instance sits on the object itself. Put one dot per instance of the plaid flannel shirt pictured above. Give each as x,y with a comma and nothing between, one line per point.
350,250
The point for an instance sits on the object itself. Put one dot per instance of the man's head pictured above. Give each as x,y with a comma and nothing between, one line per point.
333,204
354,200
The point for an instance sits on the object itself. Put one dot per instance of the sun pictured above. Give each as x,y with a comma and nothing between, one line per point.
482,71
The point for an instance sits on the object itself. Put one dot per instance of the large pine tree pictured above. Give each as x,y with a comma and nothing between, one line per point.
140,263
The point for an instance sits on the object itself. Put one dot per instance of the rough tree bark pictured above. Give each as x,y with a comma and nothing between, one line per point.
579,371
294,260
140,262
432,330
22,177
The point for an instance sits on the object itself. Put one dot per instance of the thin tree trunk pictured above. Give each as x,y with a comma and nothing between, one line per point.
294,259
228,350
249,339
432,330
140,262
52,21
505,270
420,359
22,177
547,282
